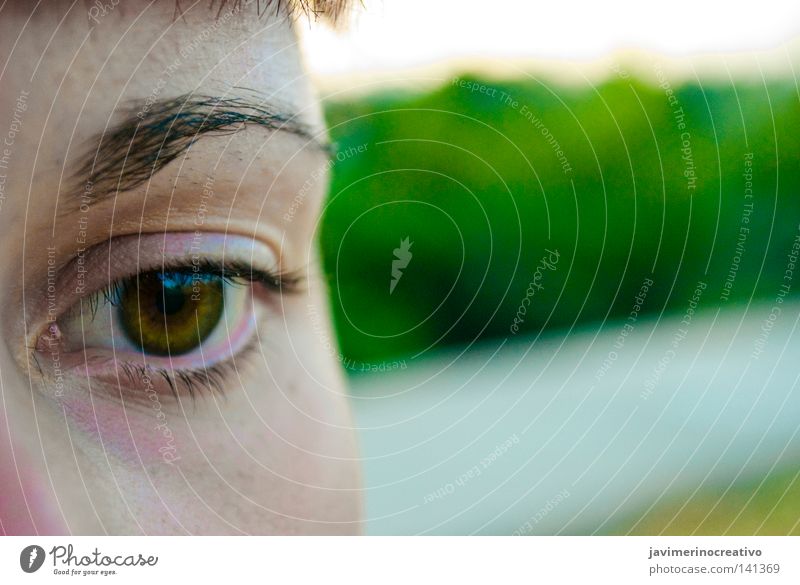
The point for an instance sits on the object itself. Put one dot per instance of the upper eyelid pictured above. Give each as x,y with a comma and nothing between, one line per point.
100,255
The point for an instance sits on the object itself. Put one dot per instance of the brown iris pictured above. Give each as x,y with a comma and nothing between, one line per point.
171,313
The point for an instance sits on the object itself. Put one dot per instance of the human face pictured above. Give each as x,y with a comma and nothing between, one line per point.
166,365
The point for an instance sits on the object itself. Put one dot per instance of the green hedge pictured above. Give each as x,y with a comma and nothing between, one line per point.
626,181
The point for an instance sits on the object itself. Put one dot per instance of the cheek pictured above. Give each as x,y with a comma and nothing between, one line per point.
275,455
140,434
27,477
25,504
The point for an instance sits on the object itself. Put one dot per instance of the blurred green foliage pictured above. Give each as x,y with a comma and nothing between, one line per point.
767,507
474,179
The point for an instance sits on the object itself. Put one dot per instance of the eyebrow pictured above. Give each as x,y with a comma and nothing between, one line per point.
158,131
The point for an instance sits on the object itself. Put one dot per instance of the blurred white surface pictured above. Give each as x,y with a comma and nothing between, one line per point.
399,34
714,415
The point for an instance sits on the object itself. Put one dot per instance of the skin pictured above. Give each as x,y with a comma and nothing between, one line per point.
275,452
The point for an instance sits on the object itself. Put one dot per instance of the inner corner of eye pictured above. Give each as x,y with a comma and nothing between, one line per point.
49,338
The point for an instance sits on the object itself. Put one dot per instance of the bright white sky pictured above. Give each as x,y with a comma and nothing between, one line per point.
400,34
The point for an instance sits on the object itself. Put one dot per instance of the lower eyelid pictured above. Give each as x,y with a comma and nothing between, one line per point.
140,379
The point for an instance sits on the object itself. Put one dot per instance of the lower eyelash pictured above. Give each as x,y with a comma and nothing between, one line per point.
194,382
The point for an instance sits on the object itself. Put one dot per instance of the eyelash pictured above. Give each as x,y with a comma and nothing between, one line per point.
193,381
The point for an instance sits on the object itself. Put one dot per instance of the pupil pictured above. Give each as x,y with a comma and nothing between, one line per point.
171,300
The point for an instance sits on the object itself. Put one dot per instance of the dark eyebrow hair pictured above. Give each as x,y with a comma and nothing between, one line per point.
156,133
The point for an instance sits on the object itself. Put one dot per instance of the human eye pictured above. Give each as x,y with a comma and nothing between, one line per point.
171,313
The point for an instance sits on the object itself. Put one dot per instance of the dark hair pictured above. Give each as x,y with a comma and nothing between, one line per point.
330,10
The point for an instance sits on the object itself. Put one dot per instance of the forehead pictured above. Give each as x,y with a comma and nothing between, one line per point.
78,70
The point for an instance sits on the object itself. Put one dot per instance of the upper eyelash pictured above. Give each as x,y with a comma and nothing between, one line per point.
288,282
231,272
